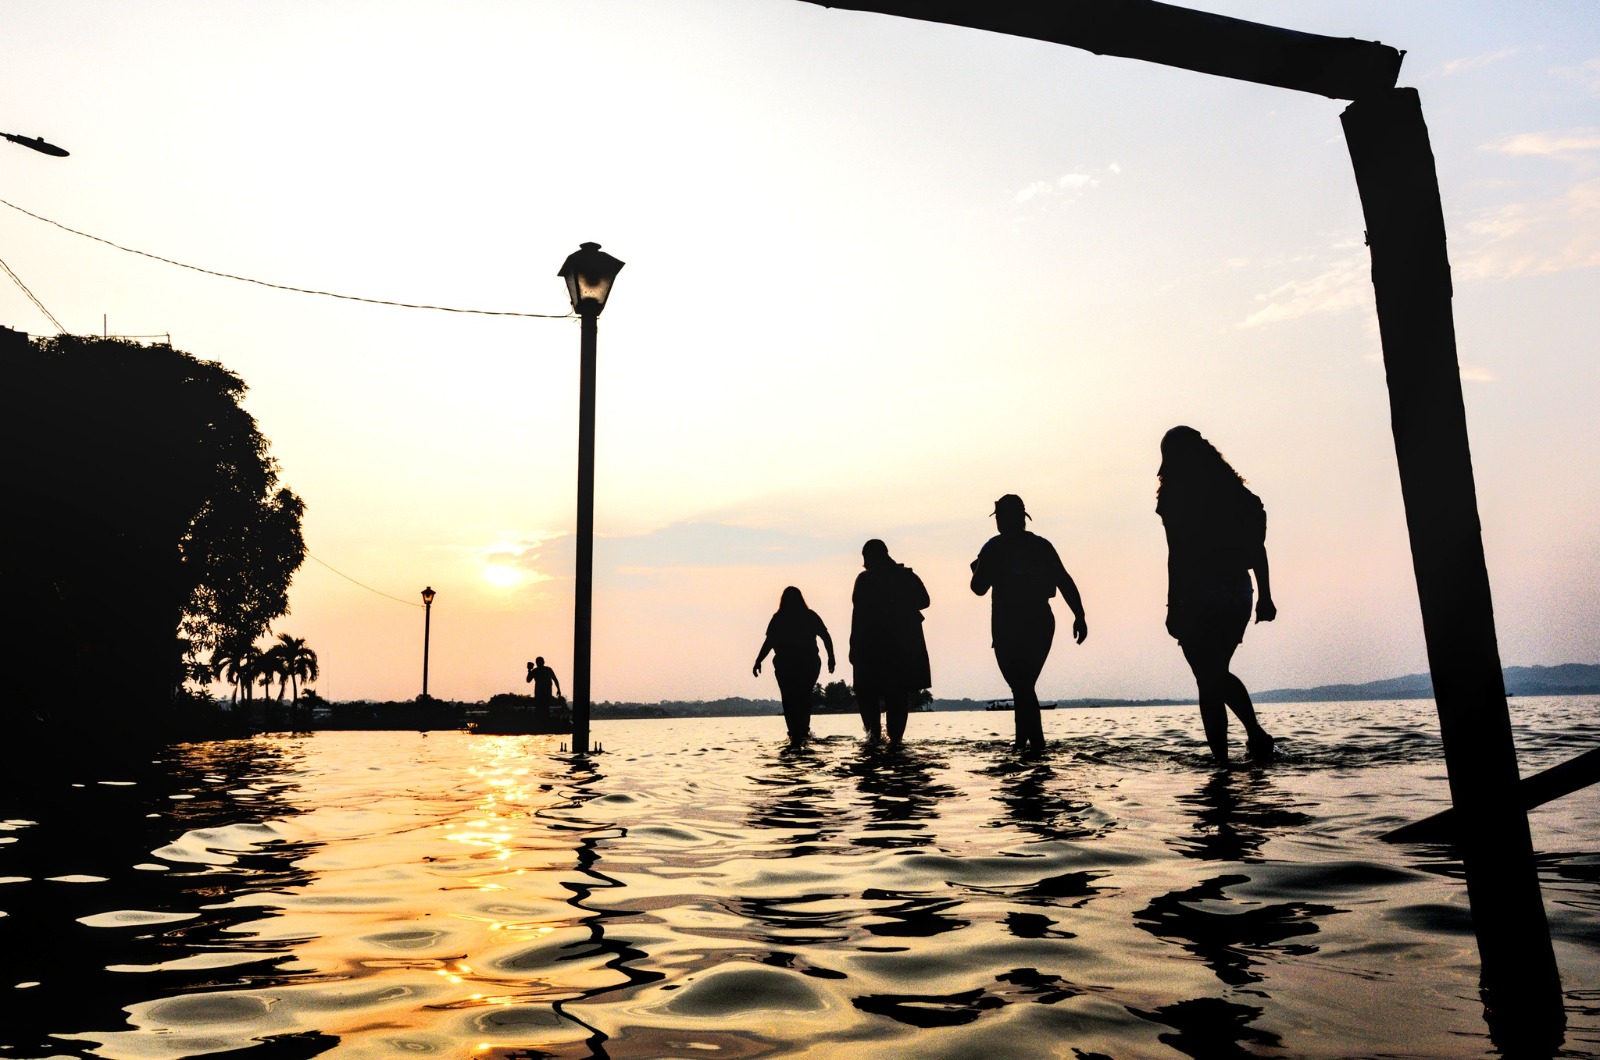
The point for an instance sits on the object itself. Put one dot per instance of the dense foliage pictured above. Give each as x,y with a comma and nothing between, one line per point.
149,526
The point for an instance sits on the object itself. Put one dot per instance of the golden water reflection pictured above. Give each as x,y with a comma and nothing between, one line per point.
376,894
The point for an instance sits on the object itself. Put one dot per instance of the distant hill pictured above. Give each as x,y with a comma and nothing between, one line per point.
1568,679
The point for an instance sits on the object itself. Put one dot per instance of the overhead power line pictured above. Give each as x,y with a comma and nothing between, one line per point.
368,588
31,297
276,286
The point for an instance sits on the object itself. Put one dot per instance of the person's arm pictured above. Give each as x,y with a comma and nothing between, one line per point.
980,576
1266,610
557,682
855,616
766,646
827,641
1069,593
918,592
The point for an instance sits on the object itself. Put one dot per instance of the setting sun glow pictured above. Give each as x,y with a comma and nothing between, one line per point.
501,576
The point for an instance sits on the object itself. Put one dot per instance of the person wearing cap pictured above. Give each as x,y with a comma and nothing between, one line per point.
888,654
1024,571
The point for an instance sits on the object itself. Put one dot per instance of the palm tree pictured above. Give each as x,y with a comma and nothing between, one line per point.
266,670
236,664
295,662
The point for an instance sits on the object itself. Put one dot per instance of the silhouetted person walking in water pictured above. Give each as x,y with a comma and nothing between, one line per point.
1025,572
887,650
792,635
1216,535
543,679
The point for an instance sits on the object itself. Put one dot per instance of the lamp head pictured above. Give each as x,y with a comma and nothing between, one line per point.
427,596
589,272
38,144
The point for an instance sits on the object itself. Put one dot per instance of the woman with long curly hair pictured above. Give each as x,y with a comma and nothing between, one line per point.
1216,537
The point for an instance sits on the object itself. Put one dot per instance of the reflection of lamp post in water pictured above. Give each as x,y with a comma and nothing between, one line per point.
427,629
589,272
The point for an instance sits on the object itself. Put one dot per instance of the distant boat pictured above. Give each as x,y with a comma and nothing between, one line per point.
1006,704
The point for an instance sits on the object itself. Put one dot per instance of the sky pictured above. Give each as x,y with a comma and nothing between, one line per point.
879,272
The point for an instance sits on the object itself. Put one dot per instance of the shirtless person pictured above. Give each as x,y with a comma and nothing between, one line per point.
543,679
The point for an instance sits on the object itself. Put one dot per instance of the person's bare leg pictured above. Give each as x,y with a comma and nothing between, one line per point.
1258,740
1021,666
1210,671
797,714
871,716
895,706
1030,727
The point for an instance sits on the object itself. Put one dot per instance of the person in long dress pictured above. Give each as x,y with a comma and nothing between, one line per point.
1025,571
1216,538
888,655
792,636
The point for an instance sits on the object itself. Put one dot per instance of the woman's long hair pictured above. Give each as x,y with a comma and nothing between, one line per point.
1191,467
791,603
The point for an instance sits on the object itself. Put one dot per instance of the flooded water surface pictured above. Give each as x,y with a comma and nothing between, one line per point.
699,891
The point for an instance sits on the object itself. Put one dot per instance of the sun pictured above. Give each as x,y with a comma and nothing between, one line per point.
501,576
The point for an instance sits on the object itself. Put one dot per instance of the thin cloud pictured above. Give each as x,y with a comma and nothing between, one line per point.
1532,238
1473,373
1566,144
1344,283
1510,241
1066,185
1476,62
1586,76
525,552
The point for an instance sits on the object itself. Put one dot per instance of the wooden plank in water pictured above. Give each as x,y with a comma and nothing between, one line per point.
1536,790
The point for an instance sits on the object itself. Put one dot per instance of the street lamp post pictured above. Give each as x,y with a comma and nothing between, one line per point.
427,630
37,143
589,273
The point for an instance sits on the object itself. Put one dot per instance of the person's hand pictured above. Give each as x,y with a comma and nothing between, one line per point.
755,671
1080,629
1266,610
830,664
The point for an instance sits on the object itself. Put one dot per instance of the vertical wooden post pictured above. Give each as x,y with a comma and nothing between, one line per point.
1399,190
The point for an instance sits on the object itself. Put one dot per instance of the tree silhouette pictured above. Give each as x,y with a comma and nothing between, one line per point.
294,662
237,664
147,525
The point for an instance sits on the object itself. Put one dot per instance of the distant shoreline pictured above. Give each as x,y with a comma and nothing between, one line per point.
441,714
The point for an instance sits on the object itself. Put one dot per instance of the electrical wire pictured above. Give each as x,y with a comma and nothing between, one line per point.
31,297
279,286
368,588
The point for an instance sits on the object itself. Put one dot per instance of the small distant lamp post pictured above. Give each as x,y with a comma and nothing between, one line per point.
427,629
589,273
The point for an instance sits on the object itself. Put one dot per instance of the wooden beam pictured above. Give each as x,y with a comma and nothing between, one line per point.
1536,790
1399,189
1336,67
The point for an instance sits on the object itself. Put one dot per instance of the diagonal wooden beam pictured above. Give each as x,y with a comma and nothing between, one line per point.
1553,783
1336,67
